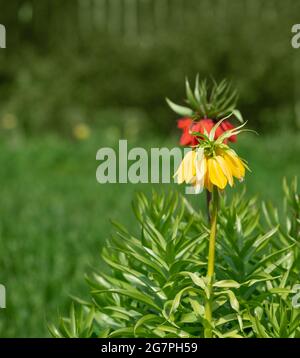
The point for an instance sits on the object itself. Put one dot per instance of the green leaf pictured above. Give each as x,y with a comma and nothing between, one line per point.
175,331
177,299
232,299
149,318
227,284
197,89
181,110
197,280
280,290
131,293
190,97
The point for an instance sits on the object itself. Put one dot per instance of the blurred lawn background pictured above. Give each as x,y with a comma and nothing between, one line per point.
79,75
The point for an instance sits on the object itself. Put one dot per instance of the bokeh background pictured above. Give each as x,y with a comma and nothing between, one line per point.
79,75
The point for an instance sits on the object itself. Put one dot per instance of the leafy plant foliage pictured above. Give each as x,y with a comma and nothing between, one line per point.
214,102
156,286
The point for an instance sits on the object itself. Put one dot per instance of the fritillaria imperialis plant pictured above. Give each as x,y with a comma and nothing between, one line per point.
211,165
161,277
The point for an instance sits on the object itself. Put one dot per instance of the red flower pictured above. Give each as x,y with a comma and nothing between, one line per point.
227,126
187,125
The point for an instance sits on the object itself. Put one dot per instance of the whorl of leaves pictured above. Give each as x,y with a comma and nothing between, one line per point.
155,284
208,100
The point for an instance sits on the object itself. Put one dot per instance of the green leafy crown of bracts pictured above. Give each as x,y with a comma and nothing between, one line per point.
208,100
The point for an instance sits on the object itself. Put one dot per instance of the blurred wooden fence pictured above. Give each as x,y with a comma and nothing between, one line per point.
218,26
65,20
133,19
129,19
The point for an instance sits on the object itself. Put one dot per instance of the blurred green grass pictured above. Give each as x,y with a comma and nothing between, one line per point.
54,216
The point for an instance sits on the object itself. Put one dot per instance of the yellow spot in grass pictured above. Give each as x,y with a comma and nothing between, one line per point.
9,121
81,131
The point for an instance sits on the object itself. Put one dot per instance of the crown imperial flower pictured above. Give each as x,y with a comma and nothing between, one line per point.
206,104
188,126
212,162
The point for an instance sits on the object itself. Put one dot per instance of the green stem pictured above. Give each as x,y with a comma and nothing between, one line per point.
208,200
211,259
